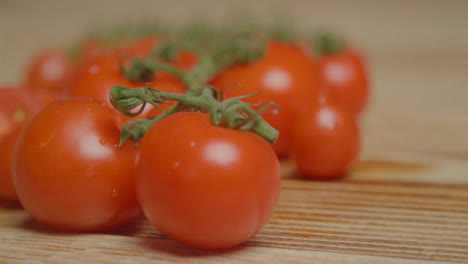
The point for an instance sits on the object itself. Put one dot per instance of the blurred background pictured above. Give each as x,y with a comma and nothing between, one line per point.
417,52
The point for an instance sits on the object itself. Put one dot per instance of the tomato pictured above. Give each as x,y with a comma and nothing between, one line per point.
97,76
206,186
285,75
345,78
50,71
17,106
69,172
326,141
7,145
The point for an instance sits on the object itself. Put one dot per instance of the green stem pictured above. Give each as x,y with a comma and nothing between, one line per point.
221,113
328,43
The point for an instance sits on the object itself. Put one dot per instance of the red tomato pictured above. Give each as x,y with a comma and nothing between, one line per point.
69,172
285,75
326,141
206,186
345,79
7,146
51,71
97,76
16,107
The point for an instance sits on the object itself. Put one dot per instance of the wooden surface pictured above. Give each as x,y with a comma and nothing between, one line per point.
405,202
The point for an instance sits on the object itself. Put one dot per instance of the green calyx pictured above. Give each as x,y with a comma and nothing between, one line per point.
327,43
231,113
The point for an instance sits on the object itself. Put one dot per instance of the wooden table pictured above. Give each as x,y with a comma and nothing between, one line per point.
406,200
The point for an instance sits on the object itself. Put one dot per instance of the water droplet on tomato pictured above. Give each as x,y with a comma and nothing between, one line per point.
102,141
115,193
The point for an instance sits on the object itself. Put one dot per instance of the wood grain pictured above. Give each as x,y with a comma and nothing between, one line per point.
406,201
350,218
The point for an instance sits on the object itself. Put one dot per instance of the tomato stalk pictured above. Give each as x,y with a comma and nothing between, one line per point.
223,54
231,113
327,43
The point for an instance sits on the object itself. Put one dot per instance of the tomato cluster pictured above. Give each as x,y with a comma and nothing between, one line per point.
201,167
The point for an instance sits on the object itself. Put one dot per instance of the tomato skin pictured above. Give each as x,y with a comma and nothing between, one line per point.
345,79
17,106
205,186
326,141
285,75
51,71
69,172
7,146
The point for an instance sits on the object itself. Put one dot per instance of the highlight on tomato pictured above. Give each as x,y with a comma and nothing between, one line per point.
287,75
326,140
69,172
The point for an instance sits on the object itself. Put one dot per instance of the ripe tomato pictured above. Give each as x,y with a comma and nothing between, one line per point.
345,78
7,146
69,172
206,186
96,77
17,106
326,141
285,75
50,71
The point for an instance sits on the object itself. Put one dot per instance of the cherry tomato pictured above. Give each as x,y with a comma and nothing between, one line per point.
206,186
285,75
326,141
17,106
69,172
50,71
345,78
7,146
97,76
